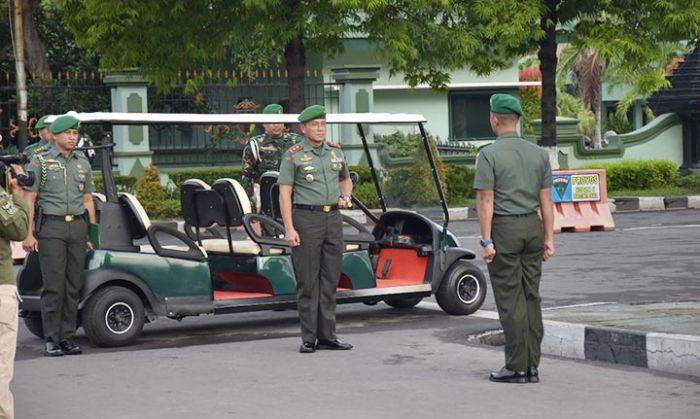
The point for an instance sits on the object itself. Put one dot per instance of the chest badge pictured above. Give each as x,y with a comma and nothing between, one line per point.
309,178
306,158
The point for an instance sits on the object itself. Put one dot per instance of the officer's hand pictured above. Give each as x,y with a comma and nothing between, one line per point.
489,253
15,187
292,238
30,244
89,245
344,202
548,249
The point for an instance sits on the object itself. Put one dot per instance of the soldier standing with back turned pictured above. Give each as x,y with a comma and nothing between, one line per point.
63,192
513,180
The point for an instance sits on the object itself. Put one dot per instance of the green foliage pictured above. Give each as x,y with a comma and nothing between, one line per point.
178,177
691,182
618,122
530,98
123,184
399,144
151,193
638,174
460,184
572,107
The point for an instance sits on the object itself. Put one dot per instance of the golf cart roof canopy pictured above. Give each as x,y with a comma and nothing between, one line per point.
117,118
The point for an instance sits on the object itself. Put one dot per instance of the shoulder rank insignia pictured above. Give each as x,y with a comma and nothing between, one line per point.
295,148
332,144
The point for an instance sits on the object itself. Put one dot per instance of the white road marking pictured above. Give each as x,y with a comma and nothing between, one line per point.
577,305
657,227
482,314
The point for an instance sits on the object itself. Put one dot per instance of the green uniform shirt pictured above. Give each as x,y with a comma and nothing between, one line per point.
60,182
37,147
264,153
314,173
14,225
515,170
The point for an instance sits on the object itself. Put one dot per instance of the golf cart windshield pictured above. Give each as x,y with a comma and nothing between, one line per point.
402,168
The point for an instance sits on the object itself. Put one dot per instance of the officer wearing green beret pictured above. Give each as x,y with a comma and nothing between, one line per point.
513,181
14,224
45,138
314,182
63,194
264,152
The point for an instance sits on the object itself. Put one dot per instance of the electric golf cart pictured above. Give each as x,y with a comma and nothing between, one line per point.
397,256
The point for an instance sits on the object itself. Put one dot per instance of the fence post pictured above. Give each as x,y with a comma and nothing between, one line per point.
132,152
356,96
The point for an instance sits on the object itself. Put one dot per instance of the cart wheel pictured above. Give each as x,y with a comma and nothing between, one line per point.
114,316
462,290
405,302
33,323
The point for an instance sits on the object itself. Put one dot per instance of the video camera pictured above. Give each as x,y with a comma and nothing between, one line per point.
25,179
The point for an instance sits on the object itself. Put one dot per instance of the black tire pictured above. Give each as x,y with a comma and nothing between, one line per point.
403,302
114,316
462,290
33,323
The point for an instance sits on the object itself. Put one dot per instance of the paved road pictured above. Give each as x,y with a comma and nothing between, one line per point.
407,364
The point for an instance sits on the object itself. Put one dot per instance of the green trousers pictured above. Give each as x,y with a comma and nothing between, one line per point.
515,277
317,262
62,260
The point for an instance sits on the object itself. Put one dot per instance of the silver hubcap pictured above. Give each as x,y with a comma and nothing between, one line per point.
468,289
119,318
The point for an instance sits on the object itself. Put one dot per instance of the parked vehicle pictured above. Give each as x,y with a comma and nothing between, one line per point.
400,258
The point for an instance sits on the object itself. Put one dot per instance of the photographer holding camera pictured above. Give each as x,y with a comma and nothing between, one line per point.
14,225
63,192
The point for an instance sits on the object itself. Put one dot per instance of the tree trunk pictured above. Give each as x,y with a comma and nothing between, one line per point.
35,48
295,61
548,66
20,75
598,132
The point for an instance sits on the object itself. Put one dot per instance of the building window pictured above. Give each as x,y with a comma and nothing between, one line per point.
469,116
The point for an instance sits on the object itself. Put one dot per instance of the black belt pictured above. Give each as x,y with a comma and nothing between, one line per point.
67,218
321,208
514,215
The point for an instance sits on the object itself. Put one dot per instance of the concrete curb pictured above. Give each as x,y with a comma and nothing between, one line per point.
671,353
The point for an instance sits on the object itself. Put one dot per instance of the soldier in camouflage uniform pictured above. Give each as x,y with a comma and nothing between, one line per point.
14,224
45,138
264,153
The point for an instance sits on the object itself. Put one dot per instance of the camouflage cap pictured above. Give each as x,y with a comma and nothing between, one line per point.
41,123
505,103
62,123
311,113
273,108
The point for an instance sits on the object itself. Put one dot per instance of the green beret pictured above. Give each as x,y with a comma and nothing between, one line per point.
41,123
312,112
273,108
505,103
63,123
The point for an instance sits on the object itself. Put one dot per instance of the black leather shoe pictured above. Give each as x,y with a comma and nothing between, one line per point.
70,348
52,349
532,375
507,376
307,348
333,344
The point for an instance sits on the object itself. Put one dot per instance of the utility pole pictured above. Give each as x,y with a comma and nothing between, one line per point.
18,35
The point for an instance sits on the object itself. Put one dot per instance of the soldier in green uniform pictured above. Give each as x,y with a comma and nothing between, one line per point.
63,193
513,180
14,224
264,152
315,176
45,138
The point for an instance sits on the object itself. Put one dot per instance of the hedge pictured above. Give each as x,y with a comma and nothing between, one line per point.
638,174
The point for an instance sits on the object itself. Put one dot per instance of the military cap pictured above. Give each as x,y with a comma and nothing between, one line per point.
41,123
273,108
505,103
63,123
311,113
